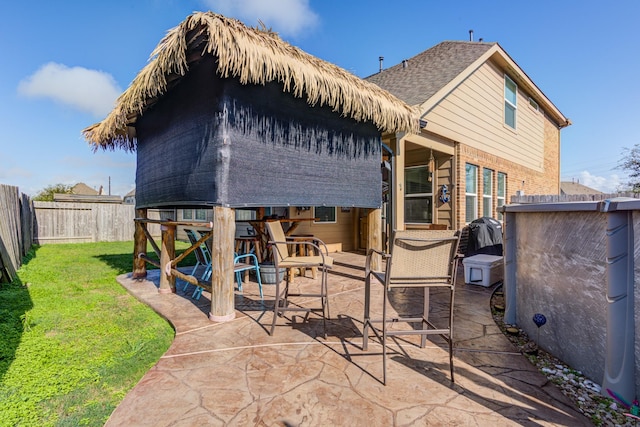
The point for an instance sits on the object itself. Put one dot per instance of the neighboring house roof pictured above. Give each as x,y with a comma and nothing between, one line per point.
130,197
83,189
428,77
573,188
252,56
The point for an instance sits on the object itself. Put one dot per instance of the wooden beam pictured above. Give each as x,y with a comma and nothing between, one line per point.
193,280
374,237
222,275
191,248
167,253
155,247
139,246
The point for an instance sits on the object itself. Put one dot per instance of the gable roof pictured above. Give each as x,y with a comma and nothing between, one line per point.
422,76
83,189
428,77
253,56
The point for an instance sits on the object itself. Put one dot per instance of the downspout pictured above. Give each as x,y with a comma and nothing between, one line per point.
619,372
510,267
390,207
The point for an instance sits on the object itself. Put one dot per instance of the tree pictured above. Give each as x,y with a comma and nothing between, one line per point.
631,163
46,195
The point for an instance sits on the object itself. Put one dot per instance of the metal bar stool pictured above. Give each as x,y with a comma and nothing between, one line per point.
302,249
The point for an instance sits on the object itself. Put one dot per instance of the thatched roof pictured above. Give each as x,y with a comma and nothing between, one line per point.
254,56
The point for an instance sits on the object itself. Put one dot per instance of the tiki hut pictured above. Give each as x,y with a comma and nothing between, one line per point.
229,116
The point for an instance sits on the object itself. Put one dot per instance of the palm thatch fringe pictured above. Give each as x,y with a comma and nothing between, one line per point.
254,56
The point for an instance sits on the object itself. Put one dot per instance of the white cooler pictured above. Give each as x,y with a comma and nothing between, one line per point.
483,270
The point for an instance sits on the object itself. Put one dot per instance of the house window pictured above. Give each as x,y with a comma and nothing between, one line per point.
534,104
245,215
471,192
487,192
418,200
194,214
502,191
325,214
510,102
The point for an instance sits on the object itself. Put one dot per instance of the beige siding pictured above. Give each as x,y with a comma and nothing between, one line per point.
444,176
342,231
473,114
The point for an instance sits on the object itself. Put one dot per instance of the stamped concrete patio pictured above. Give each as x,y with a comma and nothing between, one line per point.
235,374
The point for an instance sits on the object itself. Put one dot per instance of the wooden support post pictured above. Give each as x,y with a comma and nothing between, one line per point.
222,276
398,186
139,246
167,253
374,237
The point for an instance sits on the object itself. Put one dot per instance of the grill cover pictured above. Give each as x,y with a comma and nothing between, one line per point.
485,237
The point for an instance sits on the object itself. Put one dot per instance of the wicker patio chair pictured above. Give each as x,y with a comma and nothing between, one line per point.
282,259
418,259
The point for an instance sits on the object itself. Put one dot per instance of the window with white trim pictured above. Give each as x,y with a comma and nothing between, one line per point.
245,215
487,192
471,192
502,192
418,195
195,214
510,102
325,214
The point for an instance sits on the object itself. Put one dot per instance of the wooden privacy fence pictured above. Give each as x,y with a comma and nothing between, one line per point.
16,225
570,198
63,222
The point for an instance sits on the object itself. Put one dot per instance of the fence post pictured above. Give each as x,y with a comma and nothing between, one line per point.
139,246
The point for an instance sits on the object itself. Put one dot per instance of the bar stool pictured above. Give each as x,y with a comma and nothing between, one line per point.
303,250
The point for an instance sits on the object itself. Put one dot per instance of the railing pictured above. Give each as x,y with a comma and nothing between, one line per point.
222,233
168,263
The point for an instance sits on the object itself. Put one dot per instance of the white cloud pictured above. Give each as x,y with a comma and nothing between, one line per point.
286,17
86,90
611,184
14,172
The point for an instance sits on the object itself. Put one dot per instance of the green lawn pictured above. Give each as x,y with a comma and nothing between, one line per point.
72,340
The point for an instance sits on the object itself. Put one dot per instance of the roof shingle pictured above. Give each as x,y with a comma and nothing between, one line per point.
429,71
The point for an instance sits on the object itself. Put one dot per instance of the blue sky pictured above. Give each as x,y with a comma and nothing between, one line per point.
65,62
